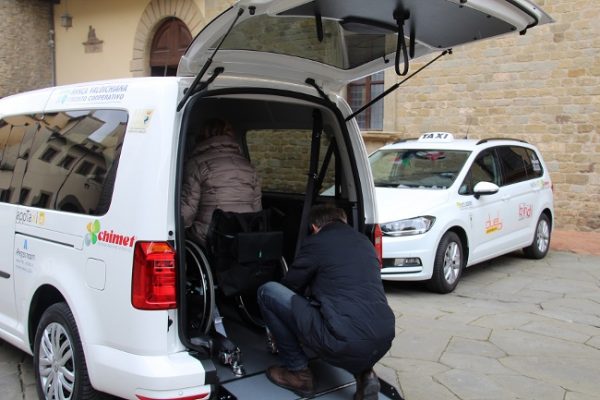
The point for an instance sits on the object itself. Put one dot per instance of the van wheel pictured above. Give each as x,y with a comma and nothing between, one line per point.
58,361
541,241
448,264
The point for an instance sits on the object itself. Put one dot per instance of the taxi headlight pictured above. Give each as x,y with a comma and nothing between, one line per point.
408,227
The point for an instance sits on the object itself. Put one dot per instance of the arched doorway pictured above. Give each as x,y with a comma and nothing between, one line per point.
170,42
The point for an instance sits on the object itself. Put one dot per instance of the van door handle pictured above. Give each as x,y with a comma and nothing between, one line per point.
505,198
4,275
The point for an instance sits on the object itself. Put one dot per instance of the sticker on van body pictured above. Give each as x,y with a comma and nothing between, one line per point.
140,121
24,258
28,217
96,235
108,93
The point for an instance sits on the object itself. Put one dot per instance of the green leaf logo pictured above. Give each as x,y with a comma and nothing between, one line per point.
93,229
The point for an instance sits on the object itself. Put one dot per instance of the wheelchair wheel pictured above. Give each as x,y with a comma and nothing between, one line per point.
247,305
200,291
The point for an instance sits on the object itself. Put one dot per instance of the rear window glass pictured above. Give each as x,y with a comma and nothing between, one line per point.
61,161
298,37
417,168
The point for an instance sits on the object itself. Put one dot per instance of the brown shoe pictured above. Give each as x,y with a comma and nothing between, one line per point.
367,386
300,382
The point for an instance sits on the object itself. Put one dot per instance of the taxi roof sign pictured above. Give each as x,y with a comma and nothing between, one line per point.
436,137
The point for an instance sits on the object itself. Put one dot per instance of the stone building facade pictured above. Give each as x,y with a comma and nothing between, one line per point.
543,87
26,48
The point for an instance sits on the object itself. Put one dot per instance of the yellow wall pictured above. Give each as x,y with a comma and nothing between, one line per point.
118,23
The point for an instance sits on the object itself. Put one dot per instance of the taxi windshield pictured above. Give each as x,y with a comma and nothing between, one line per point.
417,168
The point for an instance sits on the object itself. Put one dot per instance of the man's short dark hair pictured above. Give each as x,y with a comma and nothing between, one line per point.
324,214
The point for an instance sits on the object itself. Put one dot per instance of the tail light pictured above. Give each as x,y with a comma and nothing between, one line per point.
154,280
378,243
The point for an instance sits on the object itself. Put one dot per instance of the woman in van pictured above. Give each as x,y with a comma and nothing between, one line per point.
217,175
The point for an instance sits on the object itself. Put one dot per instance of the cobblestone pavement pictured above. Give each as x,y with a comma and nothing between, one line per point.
513,329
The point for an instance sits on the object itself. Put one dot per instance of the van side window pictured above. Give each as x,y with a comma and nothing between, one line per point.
62,160
282,156
16,135
6,172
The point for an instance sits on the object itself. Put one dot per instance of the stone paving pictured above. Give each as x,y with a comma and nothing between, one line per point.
513,329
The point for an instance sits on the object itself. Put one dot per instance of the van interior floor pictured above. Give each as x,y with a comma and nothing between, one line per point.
331,382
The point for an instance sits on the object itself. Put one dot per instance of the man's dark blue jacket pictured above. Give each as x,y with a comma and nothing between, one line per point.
348,322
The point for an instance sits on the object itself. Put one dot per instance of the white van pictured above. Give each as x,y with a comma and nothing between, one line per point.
97,279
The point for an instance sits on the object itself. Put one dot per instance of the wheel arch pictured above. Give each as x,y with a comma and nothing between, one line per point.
44,297
546,211
462,234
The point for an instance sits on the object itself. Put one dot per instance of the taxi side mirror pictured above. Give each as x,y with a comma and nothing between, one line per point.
484,189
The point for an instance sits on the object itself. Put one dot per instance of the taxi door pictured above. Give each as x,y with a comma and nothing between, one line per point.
488,215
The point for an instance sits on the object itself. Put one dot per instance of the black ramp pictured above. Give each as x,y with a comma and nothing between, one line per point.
332,384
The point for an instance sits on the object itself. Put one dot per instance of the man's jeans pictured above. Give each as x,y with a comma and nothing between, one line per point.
275,302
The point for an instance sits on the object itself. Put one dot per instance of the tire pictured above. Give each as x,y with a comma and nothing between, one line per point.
541,240
448,264
201,289
58,359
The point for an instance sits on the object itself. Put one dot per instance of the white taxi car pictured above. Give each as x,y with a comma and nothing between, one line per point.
445,204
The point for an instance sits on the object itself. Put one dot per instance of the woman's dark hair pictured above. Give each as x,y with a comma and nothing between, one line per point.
324,214
216,127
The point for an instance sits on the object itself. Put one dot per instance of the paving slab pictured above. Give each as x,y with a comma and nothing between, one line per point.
523,387
577,374
471,385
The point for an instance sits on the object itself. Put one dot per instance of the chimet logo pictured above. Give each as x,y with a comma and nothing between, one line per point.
95,234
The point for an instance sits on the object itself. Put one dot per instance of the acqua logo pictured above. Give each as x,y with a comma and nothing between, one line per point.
96,234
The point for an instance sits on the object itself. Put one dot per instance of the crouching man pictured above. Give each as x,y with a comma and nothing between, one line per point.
331,301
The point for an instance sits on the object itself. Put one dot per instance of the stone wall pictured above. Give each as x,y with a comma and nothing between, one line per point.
25,53
543,87
282,158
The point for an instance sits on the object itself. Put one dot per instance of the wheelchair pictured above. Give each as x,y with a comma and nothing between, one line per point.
243,252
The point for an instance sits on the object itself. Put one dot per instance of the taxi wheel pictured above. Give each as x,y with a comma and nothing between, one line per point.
541,241
59,362
448,264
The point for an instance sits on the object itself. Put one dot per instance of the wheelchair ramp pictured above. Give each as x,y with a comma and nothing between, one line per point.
332,384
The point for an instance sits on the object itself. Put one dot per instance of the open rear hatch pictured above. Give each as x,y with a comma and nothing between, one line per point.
335,42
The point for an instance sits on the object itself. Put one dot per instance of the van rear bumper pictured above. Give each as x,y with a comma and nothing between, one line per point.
126,375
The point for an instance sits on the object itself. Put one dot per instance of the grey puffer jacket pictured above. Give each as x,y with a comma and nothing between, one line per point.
217,175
